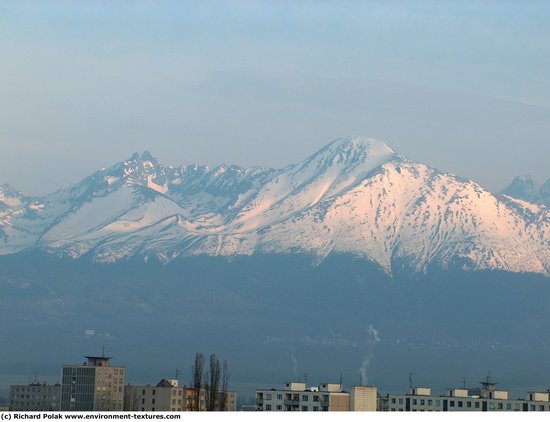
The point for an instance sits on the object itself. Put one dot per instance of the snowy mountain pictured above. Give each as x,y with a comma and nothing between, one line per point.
356,196
527,189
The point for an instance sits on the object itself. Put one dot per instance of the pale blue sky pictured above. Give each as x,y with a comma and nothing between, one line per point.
462,86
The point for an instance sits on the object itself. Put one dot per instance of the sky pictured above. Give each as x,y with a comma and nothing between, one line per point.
462,86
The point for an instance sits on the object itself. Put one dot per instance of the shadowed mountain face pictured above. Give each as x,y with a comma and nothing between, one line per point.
527,189
355,196
275,317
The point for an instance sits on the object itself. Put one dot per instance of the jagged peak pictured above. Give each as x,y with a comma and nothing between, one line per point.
8,190
143,157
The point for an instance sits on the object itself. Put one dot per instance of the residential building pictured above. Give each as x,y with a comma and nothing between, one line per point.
363,399
167,396
486,398
94,385
35,397
296,396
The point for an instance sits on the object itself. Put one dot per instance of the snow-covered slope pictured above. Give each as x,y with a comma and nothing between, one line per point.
356,195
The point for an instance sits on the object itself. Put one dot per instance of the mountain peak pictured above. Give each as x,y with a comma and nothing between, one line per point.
526,188
353,151
359,142
143,157
9,191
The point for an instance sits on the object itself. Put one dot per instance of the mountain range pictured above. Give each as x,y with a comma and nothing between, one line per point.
354,196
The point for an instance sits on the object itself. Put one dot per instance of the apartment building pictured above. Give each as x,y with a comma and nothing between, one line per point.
94,385
165,396
35,397
484,399
296,396
168,396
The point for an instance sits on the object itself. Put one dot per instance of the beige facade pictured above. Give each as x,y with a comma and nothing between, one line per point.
167,396
363,399
300,398
92,386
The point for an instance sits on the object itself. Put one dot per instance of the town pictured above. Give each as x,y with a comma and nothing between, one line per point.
96,385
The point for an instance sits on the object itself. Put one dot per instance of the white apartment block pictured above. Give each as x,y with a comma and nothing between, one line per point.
297,397
484,399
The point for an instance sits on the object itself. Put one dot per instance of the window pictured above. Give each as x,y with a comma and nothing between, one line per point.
279,407
415,401
279,396
438,403
452,403
268,396
153,401
430,402
541,407
315,408
500,406
460,403
477,405
154,392
315,398
508,406
468,404
422,402
393,401
400,401
304,408
305,398
268,407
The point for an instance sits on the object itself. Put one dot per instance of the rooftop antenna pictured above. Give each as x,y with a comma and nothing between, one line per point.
305,378
341,379
464,381
177,373
103,351
410,379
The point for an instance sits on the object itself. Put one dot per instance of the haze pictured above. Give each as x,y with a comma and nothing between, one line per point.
461,86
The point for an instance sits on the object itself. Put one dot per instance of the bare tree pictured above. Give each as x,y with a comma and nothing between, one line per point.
197,371
224,384
212,387
212,383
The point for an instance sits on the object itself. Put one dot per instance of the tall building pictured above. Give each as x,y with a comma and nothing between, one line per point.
296,396
35,397
94,385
